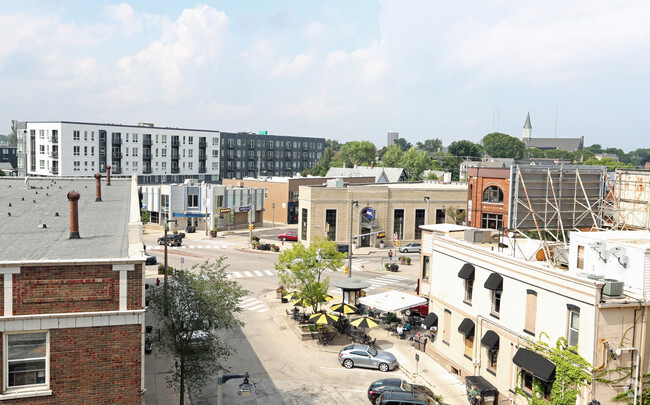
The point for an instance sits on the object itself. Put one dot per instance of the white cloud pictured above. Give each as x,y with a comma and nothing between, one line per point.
294,66
125,15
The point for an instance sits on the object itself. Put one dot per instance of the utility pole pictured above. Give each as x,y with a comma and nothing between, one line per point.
352,204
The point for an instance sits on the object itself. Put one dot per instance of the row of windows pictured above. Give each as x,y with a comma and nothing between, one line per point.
259,143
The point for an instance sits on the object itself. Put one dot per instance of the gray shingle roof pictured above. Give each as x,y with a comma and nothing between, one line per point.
568,144
103,226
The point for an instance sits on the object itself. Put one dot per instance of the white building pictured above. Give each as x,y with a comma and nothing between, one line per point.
489,302
157,154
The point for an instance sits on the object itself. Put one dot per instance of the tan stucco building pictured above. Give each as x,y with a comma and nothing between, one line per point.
394,208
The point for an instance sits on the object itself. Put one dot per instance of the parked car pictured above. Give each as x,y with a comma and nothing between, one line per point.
366,356
421,310
394,384
411,247
172,240
151,259
288,236
405,398
343,248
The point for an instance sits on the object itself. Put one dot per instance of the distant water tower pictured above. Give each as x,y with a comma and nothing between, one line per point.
392,135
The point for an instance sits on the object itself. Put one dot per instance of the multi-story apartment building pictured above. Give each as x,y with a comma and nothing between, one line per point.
490,301
72,306
159,154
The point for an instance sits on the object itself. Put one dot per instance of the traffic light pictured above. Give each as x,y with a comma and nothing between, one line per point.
345,270
328,227
396,243
251,227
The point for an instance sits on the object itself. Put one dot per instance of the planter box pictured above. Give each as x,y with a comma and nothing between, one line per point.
303,335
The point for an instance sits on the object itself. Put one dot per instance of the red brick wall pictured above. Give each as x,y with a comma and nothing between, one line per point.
60,289
475,194
99,365
134,287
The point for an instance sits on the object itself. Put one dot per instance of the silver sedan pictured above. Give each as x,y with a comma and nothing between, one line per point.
366,356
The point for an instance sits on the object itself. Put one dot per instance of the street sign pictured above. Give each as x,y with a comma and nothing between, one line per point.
395,236
381,235
224,210
242,209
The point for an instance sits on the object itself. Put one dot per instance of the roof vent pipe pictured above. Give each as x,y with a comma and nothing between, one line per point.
108,175
73,197
98,187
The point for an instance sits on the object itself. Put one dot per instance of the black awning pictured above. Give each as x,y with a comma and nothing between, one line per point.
494,282
466,327
485,389
535,363
490,340
430,320
466,272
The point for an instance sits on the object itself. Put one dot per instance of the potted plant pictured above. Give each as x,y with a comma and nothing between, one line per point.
402,260
408,261
213,232
279,291
381,244
392,267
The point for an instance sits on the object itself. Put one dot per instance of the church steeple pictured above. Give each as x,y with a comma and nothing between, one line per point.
528,129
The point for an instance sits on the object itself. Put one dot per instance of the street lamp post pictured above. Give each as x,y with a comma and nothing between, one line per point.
245,388
352,205
166,267
273,223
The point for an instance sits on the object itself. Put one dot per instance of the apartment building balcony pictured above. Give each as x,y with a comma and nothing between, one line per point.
54,154
117,141
117,155
116,170
202,156
146,170
146,156
175,156
146,142
176,143
54,169
203,143
202,169
53,138
176,170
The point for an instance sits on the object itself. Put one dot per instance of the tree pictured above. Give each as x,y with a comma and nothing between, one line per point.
355,153
572,372
534,153
457,216
430,145
596,148
392,157
302,268
609,163
414,163
199,303
403,144
501,145
465,149
145,217
559,154
13,136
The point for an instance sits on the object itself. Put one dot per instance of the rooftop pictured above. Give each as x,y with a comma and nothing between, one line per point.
32,231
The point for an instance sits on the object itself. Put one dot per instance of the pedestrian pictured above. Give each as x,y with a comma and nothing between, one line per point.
390,255
473,395
157,282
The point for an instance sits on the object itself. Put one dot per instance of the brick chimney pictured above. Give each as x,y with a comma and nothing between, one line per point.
73,197
108,175
98,187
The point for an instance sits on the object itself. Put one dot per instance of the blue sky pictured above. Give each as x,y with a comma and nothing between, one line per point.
335,69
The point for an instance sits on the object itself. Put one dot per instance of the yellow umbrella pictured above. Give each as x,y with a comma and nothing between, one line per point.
344,308
365,322
323,319
292,295
302,302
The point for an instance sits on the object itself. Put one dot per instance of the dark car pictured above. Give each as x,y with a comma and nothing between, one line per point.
288,236
394,384
343,248
366,356
172,240
405,398
151,259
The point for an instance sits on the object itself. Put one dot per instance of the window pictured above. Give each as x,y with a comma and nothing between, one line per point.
496,302
398,223
164,139
493,355
215,166
76,150
419,221
531,312
41,134
135,165
469,290
85,135
190,152
215,153
330,224
135,138
41,149
581,257
440,216
251,144
164,152
92,151
134,151
303,224
426,268
192,201
76,166
446,333
574,325
493,195
492,221
41,164
76,135
215,141
26,359
527,384
92,136
469,346
190,140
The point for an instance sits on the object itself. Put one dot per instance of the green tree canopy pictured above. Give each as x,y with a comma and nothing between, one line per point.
301,267
355,153
200,302
609,163
465,149
500,145
403,144
414,163
534,153
392,156
430,145
559,154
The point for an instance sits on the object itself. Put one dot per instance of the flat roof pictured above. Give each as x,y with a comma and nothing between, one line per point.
417,185
33,232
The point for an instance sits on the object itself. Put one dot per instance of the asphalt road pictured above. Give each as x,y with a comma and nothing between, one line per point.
283,370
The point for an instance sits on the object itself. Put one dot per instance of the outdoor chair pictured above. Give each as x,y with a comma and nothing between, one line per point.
372,343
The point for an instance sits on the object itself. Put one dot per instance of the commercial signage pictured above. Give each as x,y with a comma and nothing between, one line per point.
241,209
370,213
224,210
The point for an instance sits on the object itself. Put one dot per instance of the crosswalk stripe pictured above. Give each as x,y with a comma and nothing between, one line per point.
263,310
259,273
237,274
248,300
260,306
248,274
269,272
229,275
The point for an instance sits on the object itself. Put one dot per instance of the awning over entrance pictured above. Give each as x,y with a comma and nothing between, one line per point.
494,282
430,320
490,340
466,272
392,301
487,391
466,327
535,363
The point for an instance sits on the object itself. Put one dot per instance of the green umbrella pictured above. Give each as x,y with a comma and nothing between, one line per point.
323,319
344,308
365,322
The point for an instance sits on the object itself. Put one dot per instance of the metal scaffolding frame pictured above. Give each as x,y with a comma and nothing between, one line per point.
631,200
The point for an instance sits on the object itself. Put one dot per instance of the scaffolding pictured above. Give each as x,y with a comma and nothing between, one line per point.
631,200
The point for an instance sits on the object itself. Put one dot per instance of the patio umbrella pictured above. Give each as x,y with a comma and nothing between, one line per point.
302,302
323,319
291,295
365,322
325,298
344,308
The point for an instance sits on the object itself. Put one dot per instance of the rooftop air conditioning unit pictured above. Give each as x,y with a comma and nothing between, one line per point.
613,288
477,235
595,276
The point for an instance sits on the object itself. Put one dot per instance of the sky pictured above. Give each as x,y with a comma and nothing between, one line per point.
343,70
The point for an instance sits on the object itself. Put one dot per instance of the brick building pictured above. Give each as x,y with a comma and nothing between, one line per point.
488,191
72,309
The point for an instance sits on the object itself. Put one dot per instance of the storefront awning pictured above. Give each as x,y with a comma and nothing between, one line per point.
494,282
466,327
393,301
490,340
466,272
535,363
430,320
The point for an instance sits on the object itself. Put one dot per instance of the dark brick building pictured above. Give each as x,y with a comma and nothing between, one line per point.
72,310
488,192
